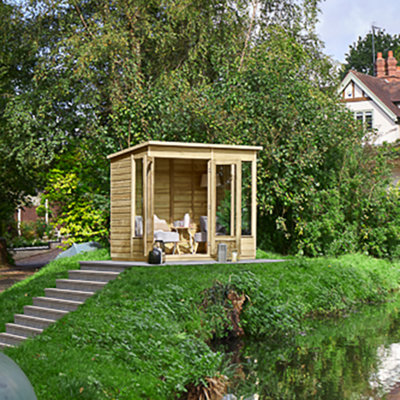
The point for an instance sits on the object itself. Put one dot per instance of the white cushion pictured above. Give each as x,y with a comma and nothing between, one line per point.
166,237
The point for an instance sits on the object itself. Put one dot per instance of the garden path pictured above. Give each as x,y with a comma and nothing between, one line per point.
25,267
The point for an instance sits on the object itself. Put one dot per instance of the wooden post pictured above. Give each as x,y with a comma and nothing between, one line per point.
238,205
213,201
145,206
133,200
233,196
254,198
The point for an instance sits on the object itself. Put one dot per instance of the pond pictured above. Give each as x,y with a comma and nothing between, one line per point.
354,357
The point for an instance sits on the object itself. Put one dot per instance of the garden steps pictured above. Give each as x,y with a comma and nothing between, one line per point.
34,322
74,284
98,276
67,296
22,330
44,312
58,304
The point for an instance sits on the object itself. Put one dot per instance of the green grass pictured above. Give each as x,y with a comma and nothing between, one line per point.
144,336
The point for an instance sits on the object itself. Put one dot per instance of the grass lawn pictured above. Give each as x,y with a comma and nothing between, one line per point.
144,335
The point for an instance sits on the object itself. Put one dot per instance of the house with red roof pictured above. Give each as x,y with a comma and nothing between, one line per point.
375,100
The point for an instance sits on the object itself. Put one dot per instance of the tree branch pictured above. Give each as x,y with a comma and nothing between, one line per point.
78,10
253,17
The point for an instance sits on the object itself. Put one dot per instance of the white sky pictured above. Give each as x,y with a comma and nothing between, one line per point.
343,21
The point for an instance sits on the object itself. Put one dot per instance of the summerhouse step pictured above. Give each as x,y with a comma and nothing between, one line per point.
34,322
43,312
97,276
110,266
57,304
11,339
81,285
22,330
75,295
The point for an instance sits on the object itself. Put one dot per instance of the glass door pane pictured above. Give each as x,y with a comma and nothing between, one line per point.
148,188
225,200
246,198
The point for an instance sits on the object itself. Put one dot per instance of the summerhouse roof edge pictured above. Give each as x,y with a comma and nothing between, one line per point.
183,144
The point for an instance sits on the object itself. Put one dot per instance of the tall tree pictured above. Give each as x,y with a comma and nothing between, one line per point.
17,57
360,55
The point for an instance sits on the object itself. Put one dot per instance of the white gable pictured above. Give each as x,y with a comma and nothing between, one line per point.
365,105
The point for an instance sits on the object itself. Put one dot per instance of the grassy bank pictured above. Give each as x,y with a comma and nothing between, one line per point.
144,335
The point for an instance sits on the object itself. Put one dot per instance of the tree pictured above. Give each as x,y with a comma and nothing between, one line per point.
17,177
113,74
360,54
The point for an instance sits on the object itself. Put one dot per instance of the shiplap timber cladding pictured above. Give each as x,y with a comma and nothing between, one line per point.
170,179
120,232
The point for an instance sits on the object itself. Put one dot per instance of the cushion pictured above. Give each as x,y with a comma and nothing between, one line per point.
160,224
200,237
203,223
138,226
166,237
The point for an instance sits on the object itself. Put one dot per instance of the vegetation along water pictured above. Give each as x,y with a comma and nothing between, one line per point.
149,333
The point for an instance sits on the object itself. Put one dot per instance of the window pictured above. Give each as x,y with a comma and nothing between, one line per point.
365,117
246,198
226,211
139,197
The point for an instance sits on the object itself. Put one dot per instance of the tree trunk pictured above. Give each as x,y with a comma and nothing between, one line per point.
3,252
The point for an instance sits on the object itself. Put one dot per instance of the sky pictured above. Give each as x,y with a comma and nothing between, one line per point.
343,21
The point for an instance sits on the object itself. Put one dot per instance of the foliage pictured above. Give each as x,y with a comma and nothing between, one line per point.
33,233
82,209
360,54
17,174
110,76
143,335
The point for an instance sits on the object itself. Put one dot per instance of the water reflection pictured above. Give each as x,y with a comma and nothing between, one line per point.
356,357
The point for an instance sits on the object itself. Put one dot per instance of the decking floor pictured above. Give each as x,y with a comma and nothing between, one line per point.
186,262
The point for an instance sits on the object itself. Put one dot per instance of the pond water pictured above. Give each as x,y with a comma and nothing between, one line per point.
354,357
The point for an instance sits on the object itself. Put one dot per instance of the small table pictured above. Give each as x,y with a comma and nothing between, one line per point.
183,230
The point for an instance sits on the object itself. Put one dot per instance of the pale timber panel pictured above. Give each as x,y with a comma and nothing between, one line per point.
122,185
220,155
180,153
122,196
162,197
178,191
115,228
121,256
120,208
248,247
137,246
189,196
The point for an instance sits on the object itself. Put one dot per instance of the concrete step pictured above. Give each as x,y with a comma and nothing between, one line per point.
110,266
57,304
22,330
11,339
96,276
75,295
42,312
5,345
81,285
34,322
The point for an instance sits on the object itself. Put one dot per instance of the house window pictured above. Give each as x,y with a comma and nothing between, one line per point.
365,117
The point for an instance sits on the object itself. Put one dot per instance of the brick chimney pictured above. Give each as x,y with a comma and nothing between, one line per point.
387,69
380,66
391,64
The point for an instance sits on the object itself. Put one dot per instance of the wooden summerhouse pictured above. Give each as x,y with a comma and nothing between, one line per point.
189,197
